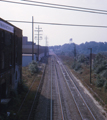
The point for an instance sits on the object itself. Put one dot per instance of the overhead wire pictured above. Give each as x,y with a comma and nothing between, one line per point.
60,24
65,5
56,7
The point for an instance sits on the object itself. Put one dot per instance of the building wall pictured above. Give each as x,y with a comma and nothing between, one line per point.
25,39
27,51
10,57
26,59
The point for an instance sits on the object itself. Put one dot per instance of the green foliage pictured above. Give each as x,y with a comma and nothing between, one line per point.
76,66
83,48
62,53
99,63
99,68
98,59
104,74
82,59
105,85
100,81
33,67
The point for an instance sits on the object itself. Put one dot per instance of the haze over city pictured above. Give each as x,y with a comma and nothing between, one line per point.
59,35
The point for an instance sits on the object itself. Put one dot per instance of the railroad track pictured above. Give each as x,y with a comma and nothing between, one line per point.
82,107
60,97
26,109
56,110
95,110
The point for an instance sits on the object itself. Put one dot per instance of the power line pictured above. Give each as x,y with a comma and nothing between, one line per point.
56,7
65,6
59,24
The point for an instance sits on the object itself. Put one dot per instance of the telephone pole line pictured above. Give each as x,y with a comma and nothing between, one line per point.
39,38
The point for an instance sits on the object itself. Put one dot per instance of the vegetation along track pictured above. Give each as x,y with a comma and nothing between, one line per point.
83,108
27,108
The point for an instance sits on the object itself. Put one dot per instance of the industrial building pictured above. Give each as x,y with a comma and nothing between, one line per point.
27,52
10,58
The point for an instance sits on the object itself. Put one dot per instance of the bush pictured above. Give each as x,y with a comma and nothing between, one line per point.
100,68
104,74
76,66
99,63
82,58
105,85
100,81
33,67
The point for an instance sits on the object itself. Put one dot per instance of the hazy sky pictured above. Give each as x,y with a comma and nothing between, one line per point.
59,35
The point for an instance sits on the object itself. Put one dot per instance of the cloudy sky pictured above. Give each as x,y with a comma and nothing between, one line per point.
59,35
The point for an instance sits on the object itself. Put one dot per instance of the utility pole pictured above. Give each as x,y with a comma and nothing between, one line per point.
90,62
38,30
32,38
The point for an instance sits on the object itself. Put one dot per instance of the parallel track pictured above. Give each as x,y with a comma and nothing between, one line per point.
54,73
80,103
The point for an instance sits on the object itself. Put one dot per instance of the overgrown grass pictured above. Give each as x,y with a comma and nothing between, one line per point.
17,98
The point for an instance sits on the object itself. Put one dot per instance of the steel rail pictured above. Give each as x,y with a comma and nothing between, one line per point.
59,95
70,90
72,94
79,92
102,102
75,87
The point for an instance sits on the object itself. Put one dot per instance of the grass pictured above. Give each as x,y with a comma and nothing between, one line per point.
17,99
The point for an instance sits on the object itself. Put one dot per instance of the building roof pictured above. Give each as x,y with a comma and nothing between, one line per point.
27,49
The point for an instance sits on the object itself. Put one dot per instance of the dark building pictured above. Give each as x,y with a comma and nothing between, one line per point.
10,58
27,52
